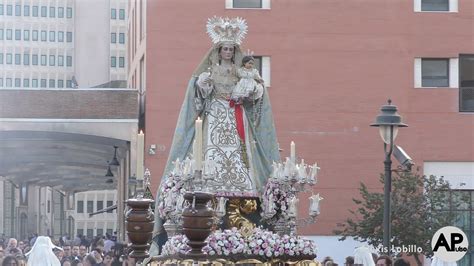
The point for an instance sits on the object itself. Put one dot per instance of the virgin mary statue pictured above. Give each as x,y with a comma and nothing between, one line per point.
238,133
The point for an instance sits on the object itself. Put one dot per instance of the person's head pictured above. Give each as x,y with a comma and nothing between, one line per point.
67,250
59,253
89,260
10,261
248,62
401,262
383,261
326,259
66,262
12,243
226,51
75,251
82,250
349,261
108,258
21,245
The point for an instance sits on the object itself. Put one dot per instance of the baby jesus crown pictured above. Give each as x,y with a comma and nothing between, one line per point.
226,29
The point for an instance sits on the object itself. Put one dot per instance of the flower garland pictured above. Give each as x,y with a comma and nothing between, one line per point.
274,190
169,190
261,243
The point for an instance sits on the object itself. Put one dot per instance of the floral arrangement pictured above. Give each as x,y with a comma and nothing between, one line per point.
169,191
225,242
178,244
275,191
261,243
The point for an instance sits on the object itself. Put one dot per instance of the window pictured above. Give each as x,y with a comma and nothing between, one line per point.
68,83
109,231
26,35
90,206
80,232
60,36
1,58
100,232
90,233
44,11
17,35
9,59
43,36
26,83
1,34
68,61
17,59
113,37
435,73
26,11
60,83
264,4
436,5
113,13
113,62
9,82
17,10
26,59
52,83
1,11
122,38
100,205
52,12
109,204
60,12
43,60
9,11
35,35
43,83
34,59
1,82
17,82
34,84
9,34
122,62
60,60
69,12
69,36
35,11
51,60
122,14
52,36
466,82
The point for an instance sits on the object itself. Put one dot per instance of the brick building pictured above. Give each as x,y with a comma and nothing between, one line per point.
330,65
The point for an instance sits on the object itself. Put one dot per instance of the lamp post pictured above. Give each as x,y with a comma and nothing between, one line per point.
388,122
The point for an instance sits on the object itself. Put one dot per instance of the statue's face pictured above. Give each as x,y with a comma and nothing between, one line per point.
227,51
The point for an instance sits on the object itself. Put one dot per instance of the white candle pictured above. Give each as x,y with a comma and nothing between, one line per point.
198,139
293,152
140,155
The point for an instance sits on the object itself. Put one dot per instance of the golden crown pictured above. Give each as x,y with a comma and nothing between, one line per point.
226,29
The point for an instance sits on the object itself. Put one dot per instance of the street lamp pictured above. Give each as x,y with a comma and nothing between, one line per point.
388,122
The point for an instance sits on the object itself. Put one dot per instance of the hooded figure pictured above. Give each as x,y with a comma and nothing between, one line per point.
363,256
41,254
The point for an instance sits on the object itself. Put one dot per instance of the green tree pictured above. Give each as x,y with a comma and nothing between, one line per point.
420,206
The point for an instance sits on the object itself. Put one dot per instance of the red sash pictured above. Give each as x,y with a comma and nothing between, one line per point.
239,119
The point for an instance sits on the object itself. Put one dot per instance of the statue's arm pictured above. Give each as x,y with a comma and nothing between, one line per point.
204,84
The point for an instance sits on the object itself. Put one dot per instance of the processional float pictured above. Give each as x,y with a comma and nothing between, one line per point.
206,226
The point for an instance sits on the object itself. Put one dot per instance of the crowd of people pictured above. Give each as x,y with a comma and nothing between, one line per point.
80,251
363,257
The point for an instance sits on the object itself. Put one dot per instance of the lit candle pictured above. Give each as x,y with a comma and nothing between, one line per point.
140,150
293,152
198,138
